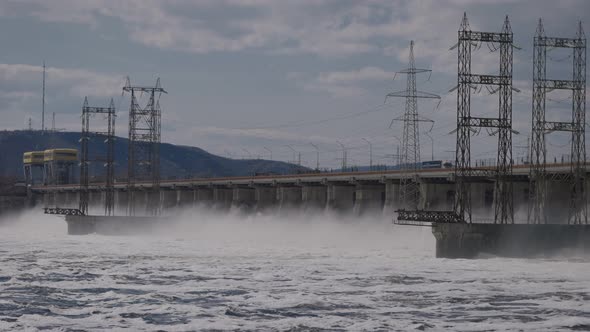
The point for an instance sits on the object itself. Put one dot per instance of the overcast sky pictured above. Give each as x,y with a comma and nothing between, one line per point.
245,75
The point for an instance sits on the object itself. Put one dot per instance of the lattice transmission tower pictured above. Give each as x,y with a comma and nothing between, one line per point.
502,125
106,136
409,195
144,145
541,127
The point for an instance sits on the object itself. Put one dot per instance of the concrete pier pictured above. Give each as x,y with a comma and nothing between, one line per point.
288,197
140,201
121,200
266,197
313,197
369,199
222,198
341,197
436,196
244,198
96,199
391,197
186,197
509,240
169,198
204,197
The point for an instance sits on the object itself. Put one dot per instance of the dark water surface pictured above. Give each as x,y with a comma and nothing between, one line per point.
261,273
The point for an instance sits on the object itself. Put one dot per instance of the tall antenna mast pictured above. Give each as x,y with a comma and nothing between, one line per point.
410,154
43,101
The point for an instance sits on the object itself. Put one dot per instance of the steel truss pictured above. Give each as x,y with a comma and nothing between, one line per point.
409,189
467,81
428,216
541,127
144,145
64,211
86,158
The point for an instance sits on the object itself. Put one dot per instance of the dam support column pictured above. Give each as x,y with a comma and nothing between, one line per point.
436,195
243,198
96,199
521,199
266,197
141,202
169,198
121,201
341,197
186,197
482,199
314,197
222,198
369,199
204,197
557,202
288,197
391,197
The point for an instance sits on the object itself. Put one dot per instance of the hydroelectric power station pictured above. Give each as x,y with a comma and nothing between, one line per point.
526,202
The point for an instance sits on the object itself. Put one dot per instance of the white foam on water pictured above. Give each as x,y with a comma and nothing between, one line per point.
207,270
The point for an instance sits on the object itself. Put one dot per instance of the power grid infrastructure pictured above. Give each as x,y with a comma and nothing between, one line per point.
541,127
144,145
468,41
86,158
409,197
502,125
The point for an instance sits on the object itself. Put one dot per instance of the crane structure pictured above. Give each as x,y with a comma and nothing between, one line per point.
540,127
409,196
107,136
143,162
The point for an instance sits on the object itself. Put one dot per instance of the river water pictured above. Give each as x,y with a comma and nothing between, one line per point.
210,272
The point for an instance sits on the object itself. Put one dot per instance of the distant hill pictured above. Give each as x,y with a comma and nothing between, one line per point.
177,161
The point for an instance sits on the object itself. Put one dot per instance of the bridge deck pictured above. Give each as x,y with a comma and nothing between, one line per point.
445,174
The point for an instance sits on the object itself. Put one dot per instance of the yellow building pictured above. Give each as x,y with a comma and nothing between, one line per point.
33,163
63,155
59,165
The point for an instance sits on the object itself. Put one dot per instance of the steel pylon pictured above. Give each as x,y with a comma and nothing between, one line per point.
144,146
409,189
501,126
540,127
107,160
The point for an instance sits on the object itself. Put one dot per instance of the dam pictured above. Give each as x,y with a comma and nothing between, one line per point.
357,193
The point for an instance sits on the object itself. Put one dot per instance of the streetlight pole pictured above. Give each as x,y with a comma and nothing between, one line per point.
370,153
269,151
317,162
400,158
294,154
431,146
343,156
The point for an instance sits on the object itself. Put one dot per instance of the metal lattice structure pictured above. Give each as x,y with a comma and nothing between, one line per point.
144,145
108,160
502,125
541,127
409,196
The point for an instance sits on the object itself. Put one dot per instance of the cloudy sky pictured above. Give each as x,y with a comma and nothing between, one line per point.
247,76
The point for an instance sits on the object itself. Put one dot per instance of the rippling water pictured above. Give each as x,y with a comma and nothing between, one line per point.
275,273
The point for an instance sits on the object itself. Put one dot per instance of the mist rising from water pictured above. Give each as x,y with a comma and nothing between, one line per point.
247,231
